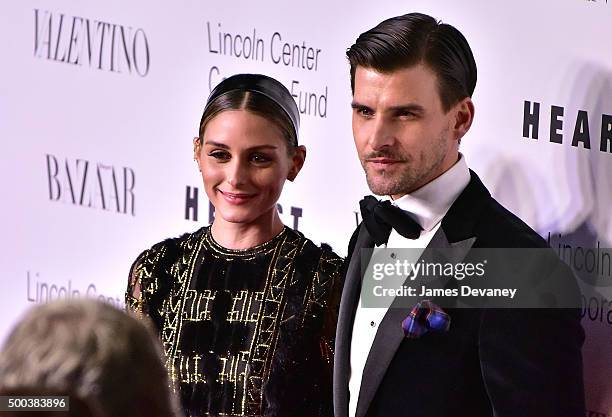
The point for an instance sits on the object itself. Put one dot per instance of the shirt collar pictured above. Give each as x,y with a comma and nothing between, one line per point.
429,204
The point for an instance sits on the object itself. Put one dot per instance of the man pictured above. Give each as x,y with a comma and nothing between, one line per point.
412,80
107,362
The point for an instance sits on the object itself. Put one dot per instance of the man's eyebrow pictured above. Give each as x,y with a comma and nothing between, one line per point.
411,107
357,105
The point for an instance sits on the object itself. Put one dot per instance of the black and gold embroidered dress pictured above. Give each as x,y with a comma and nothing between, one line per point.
245,332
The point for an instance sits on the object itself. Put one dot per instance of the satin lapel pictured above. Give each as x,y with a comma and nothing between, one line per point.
390,334
344,329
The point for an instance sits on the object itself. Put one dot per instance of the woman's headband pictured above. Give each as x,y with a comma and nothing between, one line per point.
265,86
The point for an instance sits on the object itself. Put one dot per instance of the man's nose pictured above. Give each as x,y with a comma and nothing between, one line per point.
382,133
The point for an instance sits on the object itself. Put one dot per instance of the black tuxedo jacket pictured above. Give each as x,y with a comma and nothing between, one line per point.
491,362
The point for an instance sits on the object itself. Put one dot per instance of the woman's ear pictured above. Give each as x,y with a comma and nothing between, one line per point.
197,148
297,162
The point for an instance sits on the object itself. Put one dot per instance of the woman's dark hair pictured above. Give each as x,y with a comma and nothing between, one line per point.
412,39
256,103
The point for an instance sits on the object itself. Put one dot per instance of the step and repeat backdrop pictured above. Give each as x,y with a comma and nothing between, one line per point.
100,101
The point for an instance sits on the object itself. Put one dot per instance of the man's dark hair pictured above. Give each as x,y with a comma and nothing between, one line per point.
414,38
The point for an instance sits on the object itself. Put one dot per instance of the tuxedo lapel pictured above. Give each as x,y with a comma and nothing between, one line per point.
390,334
346,316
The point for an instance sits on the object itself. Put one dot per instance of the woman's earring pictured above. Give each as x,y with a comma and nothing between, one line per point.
195,159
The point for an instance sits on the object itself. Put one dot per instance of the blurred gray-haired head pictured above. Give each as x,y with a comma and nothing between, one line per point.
109,362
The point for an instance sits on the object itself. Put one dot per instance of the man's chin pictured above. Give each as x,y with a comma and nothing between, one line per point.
384,184
382,189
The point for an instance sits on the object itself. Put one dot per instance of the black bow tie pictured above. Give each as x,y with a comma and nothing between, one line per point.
380,217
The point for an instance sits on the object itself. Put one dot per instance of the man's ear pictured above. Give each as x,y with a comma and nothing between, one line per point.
463,116
297,162
197,148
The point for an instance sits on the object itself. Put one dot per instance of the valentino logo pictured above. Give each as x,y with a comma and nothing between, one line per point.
92,43
191,208
95,185
581,120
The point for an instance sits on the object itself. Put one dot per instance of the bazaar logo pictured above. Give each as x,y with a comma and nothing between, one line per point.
95,185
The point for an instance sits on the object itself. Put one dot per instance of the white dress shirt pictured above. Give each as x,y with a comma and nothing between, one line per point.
427,205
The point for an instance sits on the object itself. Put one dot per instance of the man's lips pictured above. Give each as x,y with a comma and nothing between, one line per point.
382,162
236,198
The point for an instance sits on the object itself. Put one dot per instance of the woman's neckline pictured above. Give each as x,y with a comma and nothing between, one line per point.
262,247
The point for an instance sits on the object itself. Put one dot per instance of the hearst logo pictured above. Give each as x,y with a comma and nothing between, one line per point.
585,127
96,44
95,185
192,208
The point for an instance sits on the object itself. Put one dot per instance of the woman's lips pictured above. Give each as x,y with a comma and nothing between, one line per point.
236,198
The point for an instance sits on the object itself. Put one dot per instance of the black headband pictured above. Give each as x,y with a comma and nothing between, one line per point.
263,85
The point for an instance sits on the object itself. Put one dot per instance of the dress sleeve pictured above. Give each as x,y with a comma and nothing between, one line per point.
330,271
149,279
306,340
135,299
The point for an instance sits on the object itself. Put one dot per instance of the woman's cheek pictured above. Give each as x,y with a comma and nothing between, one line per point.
212,173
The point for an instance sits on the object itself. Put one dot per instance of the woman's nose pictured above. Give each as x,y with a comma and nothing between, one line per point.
238,173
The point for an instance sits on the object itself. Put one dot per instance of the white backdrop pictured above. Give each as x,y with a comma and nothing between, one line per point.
99,102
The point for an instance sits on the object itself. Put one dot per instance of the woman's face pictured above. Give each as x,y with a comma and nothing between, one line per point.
244,163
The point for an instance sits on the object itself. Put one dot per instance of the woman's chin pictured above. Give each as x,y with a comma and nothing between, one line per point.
237,215
244,216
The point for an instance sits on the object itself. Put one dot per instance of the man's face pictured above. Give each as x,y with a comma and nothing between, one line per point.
404,138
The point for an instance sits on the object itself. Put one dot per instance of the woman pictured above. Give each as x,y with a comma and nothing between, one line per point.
246,307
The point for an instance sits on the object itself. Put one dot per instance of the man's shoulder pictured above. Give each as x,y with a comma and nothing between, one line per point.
499,227
476,213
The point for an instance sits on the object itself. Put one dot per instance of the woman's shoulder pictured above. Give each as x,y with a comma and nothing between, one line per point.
324,253
153,272
323,249
167,250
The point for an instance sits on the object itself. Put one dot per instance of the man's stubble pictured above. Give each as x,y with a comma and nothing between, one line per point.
410,176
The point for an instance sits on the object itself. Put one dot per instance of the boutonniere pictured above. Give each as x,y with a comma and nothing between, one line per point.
425,316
